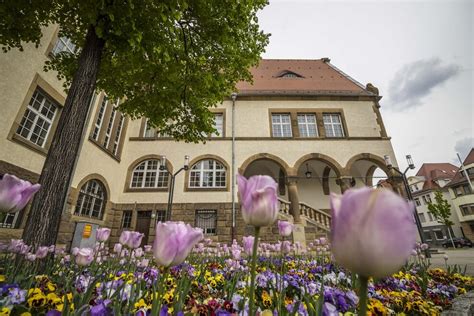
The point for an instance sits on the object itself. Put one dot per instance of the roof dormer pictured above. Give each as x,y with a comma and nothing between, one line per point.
288,74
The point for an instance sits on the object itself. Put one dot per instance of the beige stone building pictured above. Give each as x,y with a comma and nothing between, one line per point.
432,177
307,124
462,197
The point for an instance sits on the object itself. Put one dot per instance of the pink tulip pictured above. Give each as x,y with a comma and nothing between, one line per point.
174,241
259,200
74,251
131,239
147,248
248,244
102,234
285,228
84,256
30,257
372,231
15,193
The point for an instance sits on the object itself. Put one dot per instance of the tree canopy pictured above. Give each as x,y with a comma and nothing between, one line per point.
441,210
168,60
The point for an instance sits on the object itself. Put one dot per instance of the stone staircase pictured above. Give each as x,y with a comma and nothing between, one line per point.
317,223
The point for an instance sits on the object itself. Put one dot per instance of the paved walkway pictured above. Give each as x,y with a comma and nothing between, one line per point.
462,257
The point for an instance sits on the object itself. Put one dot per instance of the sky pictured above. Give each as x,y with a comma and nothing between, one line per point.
418,53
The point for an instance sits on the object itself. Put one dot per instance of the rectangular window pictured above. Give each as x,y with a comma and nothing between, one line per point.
417,202
118,134
38,118
207,221
422,217
466,188
64,44
307,125
100,119
218,125
438,234
8,220
109,127
428,199
430,216
467,209
127,219
333,125
161,215
281,125
427,235
149,131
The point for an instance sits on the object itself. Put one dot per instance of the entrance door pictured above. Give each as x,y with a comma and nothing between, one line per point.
143,225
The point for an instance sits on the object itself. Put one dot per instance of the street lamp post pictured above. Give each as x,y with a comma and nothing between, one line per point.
411,165
171,186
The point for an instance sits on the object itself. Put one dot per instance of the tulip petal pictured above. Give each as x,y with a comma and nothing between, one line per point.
26,195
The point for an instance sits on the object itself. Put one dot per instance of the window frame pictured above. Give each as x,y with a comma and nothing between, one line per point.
332,124
82,191
281,124
148,172
435,231
213,215
202,171
125,215
306,124
198,159
38,83
222,134
66,42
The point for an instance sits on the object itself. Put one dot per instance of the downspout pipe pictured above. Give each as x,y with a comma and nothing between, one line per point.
234,97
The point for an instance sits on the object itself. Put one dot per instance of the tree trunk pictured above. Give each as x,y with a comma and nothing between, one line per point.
43,221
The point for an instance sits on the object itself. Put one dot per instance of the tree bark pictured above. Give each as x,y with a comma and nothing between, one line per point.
43,221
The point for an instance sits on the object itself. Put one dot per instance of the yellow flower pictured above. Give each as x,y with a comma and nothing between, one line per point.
2,278
5,311
25,314
51,287
266,299
267,312
141,304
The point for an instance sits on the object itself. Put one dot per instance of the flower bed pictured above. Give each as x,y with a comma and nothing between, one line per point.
214,281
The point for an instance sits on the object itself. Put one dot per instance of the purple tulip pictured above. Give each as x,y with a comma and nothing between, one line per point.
118,248
286,246
372,231
102,234
174,241
259,200
15,193
42,252
131,239
248,244
285,228
84,256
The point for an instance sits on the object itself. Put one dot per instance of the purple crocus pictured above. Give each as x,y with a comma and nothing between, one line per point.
174,241
16,295
15,193
372,231
259,200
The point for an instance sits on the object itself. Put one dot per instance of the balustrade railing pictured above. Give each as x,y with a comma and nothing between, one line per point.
316,215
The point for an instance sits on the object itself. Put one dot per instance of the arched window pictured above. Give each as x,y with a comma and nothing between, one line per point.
148,175
207,173
91,200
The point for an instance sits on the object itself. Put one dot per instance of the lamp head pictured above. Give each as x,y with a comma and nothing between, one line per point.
163,163
411,165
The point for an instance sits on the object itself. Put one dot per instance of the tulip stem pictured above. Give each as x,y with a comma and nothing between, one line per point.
363,284
252,273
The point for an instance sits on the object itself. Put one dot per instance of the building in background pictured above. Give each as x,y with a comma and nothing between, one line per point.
305,123
462,195
432,177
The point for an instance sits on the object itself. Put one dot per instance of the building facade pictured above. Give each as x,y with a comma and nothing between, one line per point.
462,196
307,124
432,177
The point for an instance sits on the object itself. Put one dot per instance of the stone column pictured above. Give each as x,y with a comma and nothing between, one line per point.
345,183
294,199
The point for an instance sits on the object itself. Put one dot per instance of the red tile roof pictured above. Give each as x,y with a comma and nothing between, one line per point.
309,77
458,177
436,171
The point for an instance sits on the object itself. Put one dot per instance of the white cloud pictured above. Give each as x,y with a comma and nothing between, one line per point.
416,80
